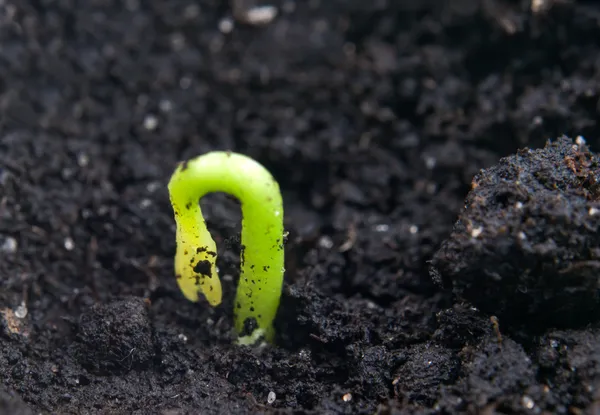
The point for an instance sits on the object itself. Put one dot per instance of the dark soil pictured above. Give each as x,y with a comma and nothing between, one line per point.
376,118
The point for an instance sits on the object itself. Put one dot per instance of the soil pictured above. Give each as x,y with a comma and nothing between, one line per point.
415,282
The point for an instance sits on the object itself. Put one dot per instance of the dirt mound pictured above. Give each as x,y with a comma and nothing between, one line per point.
526,247
374,116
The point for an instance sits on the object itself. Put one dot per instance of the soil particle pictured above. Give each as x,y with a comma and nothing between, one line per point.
426,367
495,372
525,247
115,338
570,367
461,325
371,368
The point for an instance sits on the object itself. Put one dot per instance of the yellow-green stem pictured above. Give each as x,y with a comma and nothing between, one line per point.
262,254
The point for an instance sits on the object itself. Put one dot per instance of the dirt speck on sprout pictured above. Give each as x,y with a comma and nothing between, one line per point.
203,268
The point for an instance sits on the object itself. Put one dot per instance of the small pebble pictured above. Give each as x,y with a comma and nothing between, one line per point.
69,244
430,162
527,402
9,245
347,397
325,242
476,232
226,25
538,6
258,16
83,159
21,311
271,397
150,122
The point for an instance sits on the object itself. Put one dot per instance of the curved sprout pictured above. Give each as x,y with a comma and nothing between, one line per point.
262,254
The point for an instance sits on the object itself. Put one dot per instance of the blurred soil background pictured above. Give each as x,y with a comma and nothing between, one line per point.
416,283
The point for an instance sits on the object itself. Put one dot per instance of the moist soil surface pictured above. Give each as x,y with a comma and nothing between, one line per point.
415,282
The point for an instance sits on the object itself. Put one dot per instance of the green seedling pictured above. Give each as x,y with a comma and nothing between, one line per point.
262,254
